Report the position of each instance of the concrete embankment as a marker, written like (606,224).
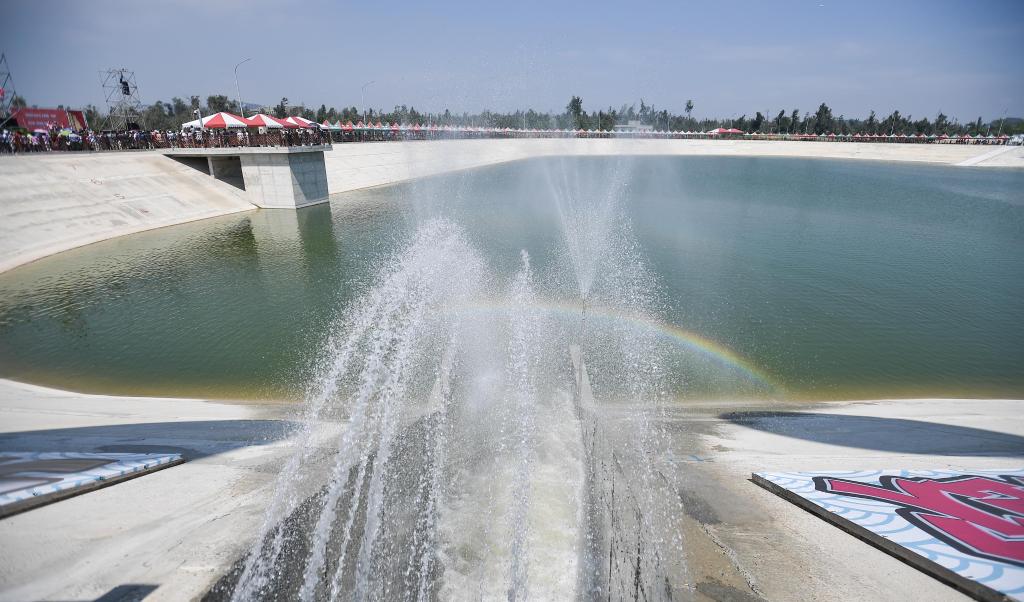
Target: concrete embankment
(55,202)
(51,203)
(355,166)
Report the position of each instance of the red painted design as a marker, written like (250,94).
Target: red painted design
(980,516)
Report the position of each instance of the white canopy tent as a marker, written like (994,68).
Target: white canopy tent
(218,121)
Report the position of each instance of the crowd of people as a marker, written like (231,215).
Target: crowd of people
(64,139)
(55,138)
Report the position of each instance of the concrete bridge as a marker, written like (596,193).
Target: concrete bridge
(275,177)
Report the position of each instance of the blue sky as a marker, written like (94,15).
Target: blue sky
(730,57)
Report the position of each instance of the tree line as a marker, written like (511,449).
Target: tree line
(171,114)
(822,121)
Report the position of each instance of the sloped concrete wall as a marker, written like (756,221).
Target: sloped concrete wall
(367,164)
(51,203)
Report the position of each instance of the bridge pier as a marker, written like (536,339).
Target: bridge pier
(279,177)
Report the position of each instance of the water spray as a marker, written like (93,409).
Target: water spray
(583,318)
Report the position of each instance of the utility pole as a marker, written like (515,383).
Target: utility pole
(238,94)
(362,97)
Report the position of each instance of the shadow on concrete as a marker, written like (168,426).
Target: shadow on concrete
(200,164)
(130,592)
(894,435)
(193,439)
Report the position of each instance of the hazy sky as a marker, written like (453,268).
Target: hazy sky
(730,57)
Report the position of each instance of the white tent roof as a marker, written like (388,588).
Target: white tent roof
(218,121)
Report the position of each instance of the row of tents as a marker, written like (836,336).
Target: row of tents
(227,121)
(230,121)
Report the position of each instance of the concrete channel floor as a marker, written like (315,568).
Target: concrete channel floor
(177,529)
(767,548)
(174,532)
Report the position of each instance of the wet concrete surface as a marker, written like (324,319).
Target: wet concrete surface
(181,530)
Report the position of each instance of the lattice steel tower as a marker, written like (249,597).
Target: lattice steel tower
(7,92)
(124,109)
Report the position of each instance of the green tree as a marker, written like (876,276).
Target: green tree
(281,109)
(781,121)
(757,122)
(179,109)
(575,110)
(794,121)
(644,111)
(156,116)
(892,122)
(823,122)
(923,126)
(18,102)
(93,116)
(871,124)
(219,102)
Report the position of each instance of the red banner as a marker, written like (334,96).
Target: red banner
(41,118)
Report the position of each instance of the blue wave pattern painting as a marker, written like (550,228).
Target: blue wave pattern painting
(970,522)
(28,475)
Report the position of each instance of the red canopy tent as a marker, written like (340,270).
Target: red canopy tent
(301,122)
(271,123)
(219,121)
(725,131)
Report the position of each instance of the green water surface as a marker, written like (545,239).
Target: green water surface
(832,279)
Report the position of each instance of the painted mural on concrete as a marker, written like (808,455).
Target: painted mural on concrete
(29,479)
(964,527)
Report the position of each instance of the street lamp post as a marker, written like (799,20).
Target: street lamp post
(362,97)
(238,93)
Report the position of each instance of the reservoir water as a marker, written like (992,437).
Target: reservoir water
(768,278)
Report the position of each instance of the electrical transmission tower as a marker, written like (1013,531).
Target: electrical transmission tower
(124,109)
(7,92)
